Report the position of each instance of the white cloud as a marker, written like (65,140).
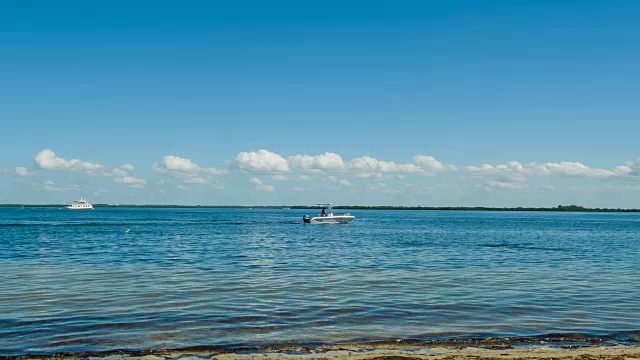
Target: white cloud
(183,165)
(430,164)
(260,186)
(576,169)
(47,159)
(363,167)
(45,186)
(504,185)
(513,175)
(369,165)
(267,188)
(512,167)
(512,172)
(255,181)
(193,179)
(516,172)
(22,171)
(367,175)
(262,161)
(131,181)
(186,170)
(325,162)
(176,163)
(330,167)
(297,188)
(181,187)
(510,176)
(366,166)
(280,177)
(116,173)
(339,183)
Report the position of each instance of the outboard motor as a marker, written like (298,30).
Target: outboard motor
(306,219)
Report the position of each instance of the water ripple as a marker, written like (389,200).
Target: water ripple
(220,277)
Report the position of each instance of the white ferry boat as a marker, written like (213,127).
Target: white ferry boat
(81,204)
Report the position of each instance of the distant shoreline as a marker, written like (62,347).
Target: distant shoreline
(560,208)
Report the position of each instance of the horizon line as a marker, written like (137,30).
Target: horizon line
(559,208)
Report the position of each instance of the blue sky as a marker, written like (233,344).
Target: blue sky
(435,103)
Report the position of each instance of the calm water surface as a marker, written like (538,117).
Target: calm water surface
(75,281)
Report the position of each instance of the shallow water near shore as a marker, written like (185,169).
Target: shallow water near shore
(76,281)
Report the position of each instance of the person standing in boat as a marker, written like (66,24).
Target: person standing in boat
(324,212)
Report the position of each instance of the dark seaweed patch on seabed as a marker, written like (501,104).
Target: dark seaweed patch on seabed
(565,341)
(522,246)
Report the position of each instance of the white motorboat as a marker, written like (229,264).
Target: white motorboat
(81,204)
(328,217)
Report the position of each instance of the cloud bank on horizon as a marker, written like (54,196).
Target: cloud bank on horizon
(266,172)
(48,160)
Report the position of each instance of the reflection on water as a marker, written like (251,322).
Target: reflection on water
(189,277)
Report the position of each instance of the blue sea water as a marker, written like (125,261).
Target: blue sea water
(76,281)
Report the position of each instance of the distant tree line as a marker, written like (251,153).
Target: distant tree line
(570,208)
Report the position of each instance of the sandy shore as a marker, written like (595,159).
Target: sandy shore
(386,352)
